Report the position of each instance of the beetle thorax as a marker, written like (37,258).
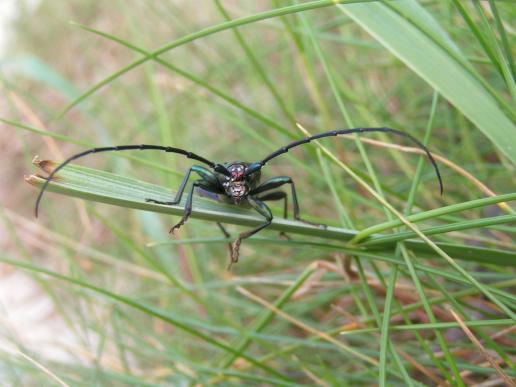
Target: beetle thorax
(236,185)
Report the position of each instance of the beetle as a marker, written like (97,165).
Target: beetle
(239,182)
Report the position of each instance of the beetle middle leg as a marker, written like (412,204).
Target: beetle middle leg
(278,195)
(276,182)
(265,211)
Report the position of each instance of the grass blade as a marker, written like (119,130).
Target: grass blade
(150,310)
(421,53)
(203,33)
(106,187)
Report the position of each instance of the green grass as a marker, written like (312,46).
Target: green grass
(367,301)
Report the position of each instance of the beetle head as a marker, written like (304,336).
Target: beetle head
(236,184)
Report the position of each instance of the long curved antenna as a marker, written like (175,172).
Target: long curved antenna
(256,166)
(189,155)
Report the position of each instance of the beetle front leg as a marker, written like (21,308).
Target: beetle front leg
(179,193)
(188,208)
(207,176)
(208,181)
(264,210)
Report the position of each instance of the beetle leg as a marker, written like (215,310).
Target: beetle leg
(276,182)
(227,235)
(278,195)
(265,211)
(179,193)
(188,208)
(208,181)
(207,175)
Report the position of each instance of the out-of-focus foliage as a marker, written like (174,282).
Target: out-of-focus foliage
(97,294)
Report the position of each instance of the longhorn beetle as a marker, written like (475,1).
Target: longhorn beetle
(237,181)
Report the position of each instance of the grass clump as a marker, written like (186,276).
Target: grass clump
(406,287)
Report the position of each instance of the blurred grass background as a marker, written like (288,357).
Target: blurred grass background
(92,296)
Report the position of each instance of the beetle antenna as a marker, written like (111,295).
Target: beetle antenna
(168,149)
(286,148)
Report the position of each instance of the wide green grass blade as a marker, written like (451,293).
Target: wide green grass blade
(106,187)
(460,251)
(408,40)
